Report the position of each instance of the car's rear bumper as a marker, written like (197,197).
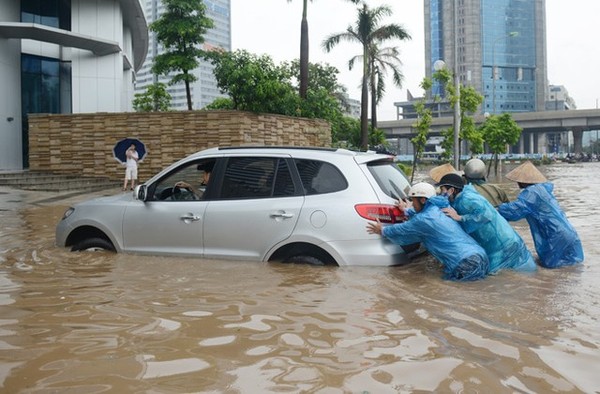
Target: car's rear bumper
(367,252)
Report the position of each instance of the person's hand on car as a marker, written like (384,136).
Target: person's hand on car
(374,228)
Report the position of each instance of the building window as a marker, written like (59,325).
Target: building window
(45,85)
(53,13)
(45,88)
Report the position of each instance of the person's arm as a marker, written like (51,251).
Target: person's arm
(406,207)
(474,215)
(187,186)
(405,233)
(515,210)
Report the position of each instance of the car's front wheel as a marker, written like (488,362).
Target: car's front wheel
(304,259)
(93,244)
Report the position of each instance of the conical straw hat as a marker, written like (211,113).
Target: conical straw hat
(526,173)
(436,173)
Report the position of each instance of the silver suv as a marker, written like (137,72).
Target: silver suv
(301,205)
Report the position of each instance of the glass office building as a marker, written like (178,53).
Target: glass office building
(205,89)
(496,46)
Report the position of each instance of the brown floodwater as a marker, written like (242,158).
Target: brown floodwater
(123,323)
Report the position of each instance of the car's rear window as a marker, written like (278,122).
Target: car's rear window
(390,178)
(319,177)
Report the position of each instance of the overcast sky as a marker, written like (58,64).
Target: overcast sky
(273,27)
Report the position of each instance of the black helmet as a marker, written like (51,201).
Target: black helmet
(452,180)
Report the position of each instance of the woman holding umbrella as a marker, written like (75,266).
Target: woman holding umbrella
(131,167)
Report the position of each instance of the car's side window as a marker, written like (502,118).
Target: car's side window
(283,183)
(256,177)
(171,187)
(319,177)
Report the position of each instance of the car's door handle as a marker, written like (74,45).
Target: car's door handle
(282,214)
(190,217)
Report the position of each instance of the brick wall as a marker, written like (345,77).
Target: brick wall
(82,143)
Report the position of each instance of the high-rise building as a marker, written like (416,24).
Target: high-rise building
(205,89)
(496,46)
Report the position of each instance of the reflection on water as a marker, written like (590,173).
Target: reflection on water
(101,322)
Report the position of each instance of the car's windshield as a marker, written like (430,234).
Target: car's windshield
(390,178)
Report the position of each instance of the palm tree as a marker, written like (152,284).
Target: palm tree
(304,48)
(369,34)
(380,60)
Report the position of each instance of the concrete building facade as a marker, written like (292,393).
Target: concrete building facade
(65,56)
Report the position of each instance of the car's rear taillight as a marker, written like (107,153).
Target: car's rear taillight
(385,213)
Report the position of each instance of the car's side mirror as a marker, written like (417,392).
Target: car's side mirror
(140,192)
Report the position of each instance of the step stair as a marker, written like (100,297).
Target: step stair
(44,181)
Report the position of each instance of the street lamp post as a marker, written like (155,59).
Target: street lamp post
(457,87)
(509,35)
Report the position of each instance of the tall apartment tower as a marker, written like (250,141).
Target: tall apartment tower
(205,89)
(496,46)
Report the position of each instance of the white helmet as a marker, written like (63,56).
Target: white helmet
(421,189)
(475,169)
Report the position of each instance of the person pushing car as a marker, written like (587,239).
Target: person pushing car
(462,258)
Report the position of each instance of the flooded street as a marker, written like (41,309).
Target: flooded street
(123,323)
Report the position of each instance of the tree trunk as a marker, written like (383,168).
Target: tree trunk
(364,103)
(373,99)
(304,53)
(414,166)
(188,94)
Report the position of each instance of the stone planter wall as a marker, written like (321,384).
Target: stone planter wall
(82,143)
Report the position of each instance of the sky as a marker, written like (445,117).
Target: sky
(272,27)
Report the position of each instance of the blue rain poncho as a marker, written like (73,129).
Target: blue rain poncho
(462,258)
(556,241)
(504,247)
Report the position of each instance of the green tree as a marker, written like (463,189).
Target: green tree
(322,76)
(382,60)
(220,103)
(346,133)
(470,100)
(500,131)
(254,83)
(368,33)
(304,50)
(180,29)
(155,98)
(326,97)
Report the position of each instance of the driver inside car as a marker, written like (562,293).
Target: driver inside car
(206,169)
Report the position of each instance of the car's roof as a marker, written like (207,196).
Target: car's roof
(315,152)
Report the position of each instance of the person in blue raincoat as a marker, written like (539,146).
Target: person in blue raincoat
(476,215)
(556,241)
(462,258)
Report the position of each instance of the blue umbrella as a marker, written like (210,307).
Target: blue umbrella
(120,149)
